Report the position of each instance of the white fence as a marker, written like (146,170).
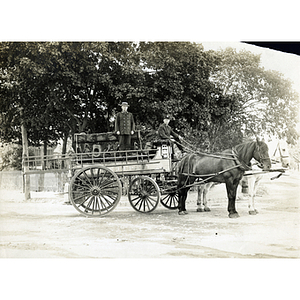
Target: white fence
(42,182)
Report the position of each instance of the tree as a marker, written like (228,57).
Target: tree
(10,157)
(263,100)
(52,90)
(19,81)
(176,82)
(25,92)
(92,79)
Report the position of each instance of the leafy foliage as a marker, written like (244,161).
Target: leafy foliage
(58,88)
(262,99)
(10,157)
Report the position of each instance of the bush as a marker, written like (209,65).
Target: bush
(10,157)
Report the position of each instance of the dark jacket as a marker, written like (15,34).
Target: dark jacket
(165,132)
(124,123)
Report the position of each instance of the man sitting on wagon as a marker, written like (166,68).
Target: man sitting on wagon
(165,132)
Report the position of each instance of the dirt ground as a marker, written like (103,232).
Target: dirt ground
(46,227)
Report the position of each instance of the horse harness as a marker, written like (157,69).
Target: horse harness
(232,156)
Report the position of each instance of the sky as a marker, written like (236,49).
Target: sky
(216,24)
(286,63)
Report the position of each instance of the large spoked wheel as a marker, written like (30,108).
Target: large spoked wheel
(144,194)
(95,191)
(170,200)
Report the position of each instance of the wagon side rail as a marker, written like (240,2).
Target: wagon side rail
(63,162)
(114,158)
(47,163)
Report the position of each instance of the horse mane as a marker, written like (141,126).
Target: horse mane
(244,145)
(241,151)
(240,148)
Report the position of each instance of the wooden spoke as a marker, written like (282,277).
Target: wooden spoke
(170,200)
(144,194)
(95,191)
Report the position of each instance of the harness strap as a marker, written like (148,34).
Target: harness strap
(240,162)
(231,156)
(210,176)
(216,155)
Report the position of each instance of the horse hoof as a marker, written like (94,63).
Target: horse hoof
(200,210)
(253,212)
(234,215)
(206,209)
(181,213)
(185,212)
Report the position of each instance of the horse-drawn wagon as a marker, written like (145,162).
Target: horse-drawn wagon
(99,170)
(99,173)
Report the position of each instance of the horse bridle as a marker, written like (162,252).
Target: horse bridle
(261,158)
(248,167)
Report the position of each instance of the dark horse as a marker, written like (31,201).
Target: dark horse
(226,167)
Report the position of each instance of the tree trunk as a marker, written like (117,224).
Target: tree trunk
(41,186)
(64,148)
(65,141)
(25,167)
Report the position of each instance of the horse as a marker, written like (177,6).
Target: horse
(226,167)
(280,155)
(202,191)
(252,182)
(249,181)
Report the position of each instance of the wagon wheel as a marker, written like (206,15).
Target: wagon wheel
(144,194)
(95,191)
(170,200)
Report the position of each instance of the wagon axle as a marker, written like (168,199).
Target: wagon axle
(95,191)
(143,194)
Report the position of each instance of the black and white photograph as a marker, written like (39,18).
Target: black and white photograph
(176,155)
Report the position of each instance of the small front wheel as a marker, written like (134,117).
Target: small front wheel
(170,200)
(144,194)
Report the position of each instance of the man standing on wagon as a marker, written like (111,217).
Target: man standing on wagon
(125,127)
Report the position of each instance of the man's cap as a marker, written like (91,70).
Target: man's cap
(124,104)
(169,117)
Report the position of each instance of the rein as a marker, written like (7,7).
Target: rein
(231,156)
(203,180)
(238,161)
(205,153)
